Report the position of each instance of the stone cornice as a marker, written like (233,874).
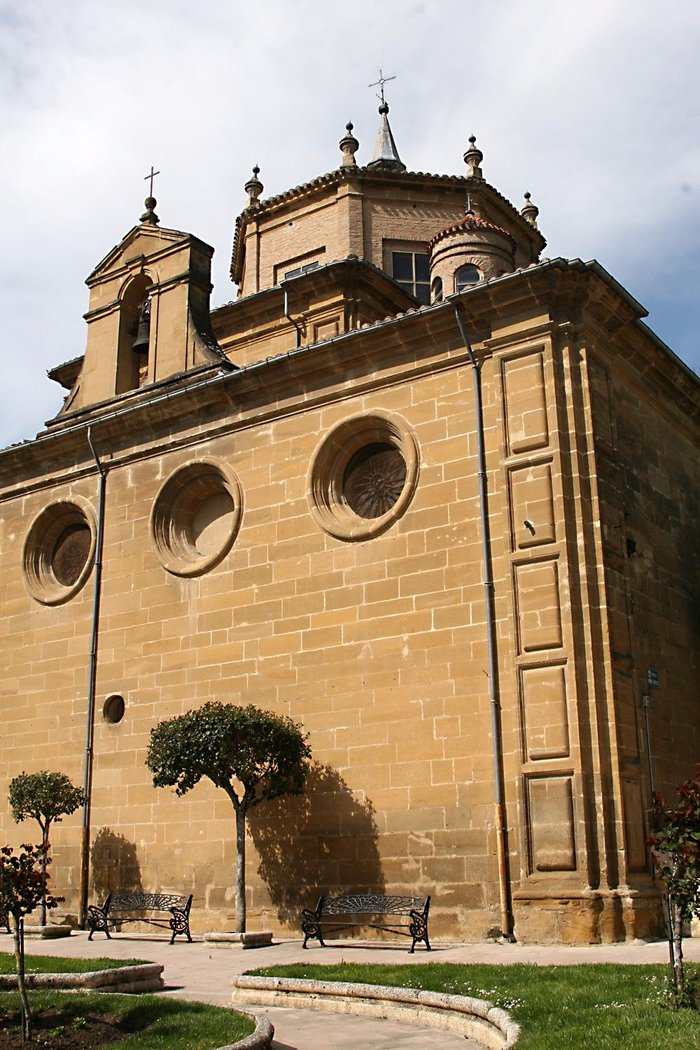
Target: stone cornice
(265,208)
(397,349)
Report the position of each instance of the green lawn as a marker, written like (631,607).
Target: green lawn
(605,1007)
(58,964)
(149,1022)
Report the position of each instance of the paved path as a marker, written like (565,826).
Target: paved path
(200,971)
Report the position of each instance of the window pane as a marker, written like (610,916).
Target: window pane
(422,268)
(374,479)
(402,266)
(422,292)
(466,276)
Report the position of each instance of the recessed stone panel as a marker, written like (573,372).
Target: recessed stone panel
(635,835)
(545,717)
(627,717)
(525,403)
(551,823)
(538,604)
(532,506)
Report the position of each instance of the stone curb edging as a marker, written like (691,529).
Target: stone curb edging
(474,1018)
(143,978)
(260,1039)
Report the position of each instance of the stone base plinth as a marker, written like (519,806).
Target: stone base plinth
(259,939)
(47,932)
(586,918)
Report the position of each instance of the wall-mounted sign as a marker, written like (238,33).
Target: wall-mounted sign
(652,678)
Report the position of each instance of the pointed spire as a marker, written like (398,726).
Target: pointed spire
(349,147)
(530,211)
(386,154)
(473,158)
(254,187)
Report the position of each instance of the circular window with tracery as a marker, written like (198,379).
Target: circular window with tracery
(195,517)
(363,476)
(59,551)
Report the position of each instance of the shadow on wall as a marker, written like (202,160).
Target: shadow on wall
(324,841)
(115,865)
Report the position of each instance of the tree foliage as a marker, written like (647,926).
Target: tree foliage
(23,886)
(252,755)
(45,797)
(265,754)
(676,851)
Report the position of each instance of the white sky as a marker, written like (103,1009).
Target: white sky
(593,107)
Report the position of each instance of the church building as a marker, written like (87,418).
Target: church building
(423,489)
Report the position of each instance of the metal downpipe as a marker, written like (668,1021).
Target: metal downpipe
(92,668)
(290,318)
(496,735)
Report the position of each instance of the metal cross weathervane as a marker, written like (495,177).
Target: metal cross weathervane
(380,84)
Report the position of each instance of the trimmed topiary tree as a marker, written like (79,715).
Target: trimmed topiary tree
(46,797)
(676,851)
(250,754)
(23,882)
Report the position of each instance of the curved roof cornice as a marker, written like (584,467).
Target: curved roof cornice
(364,173)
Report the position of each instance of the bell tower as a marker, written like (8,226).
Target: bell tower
(149,315)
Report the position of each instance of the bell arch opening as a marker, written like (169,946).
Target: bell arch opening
(133,357)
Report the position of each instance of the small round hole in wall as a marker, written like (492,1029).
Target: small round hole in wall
(113,710)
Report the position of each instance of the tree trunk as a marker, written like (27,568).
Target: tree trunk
(45,844)
(240,869)
(675,943)
(18,934)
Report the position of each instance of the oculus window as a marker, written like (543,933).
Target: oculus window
(363,476)
(59,551)
(196,517)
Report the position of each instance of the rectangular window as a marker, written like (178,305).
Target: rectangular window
(299,264)
(298,270)
(411,271)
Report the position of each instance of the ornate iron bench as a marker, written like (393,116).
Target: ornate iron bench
(120,907)
(375,910)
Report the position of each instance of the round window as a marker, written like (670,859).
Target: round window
(196,517)
(59,551)
(374,479)
(362,476)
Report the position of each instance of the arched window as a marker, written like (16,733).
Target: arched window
(466,276)
(436,290)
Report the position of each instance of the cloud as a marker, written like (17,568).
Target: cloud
(590,107)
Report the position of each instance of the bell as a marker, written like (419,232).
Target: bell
(140,343)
